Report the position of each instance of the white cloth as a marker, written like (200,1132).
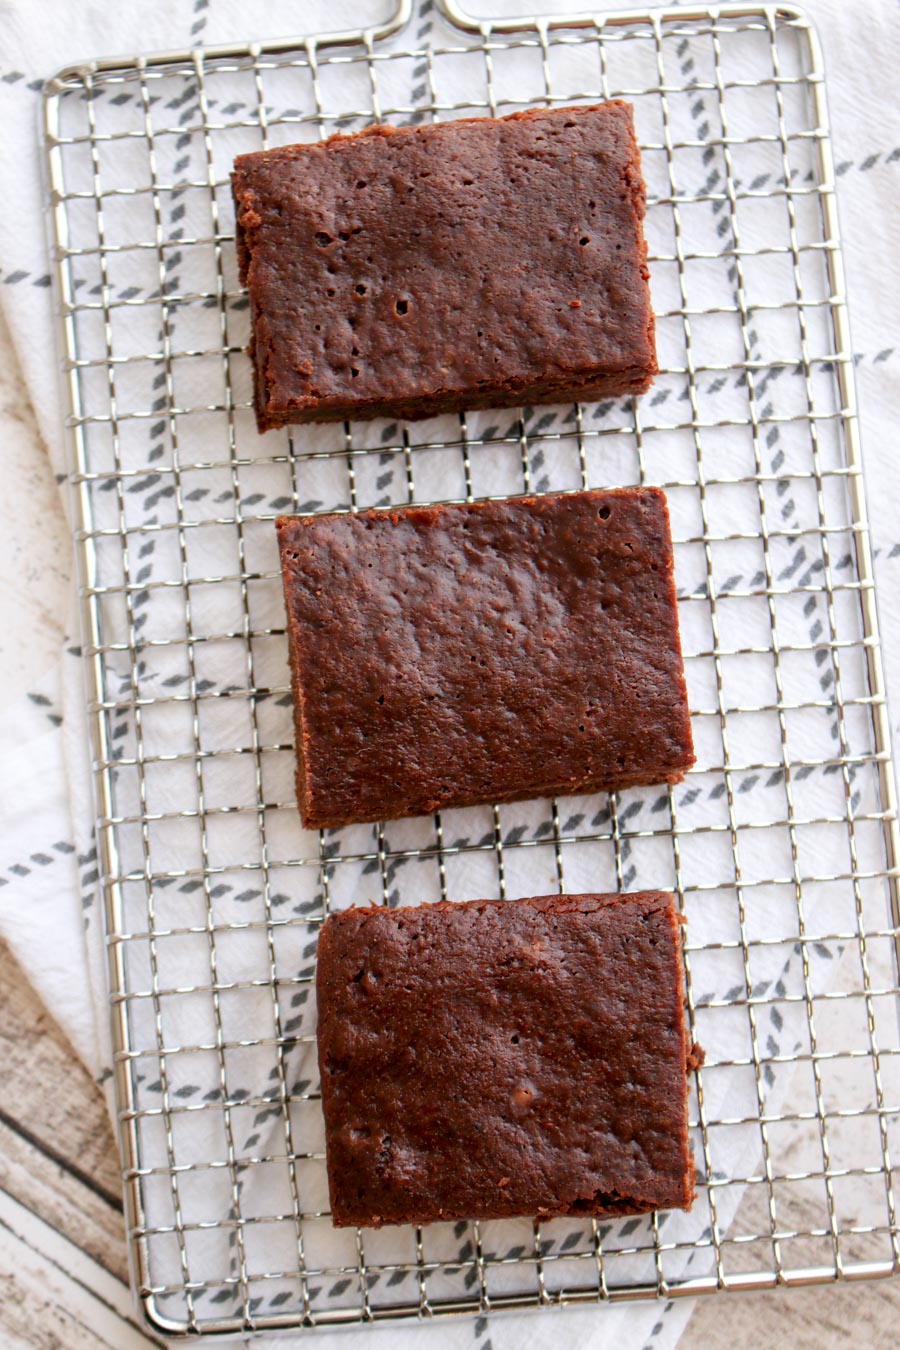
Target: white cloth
(49,910)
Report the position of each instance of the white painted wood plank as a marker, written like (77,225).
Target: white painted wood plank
(64,1286)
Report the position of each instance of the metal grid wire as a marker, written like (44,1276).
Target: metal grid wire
(780,844)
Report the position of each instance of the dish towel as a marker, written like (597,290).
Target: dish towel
(49,908)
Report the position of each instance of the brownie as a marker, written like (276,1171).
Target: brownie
(468,264)
(490,651)
(496,1058)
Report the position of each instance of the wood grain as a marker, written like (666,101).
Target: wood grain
(53,1294)
(62,1242)
(57,1152)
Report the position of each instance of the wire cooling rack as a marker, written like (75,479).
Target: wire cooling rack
(780,844)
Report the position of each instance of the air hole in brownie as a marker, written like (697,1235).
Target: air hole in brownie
(354,371)
(514,1040)
(343,235)
(354,351)
(330,292)
(381,698)
(585,239)
(361,183)
(603,513)
(323,239)
(402,306)
(358,976)
(360,288)
(317,327)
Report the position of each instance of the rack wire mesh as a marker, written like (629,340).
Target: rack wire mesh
(780,844)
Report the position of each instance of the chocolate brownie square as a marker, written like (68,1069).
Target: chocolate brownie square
(483,652)
(468,264)
(498,1058)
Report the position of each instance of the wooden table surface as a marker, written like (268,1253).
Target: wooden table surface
(62,1244)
